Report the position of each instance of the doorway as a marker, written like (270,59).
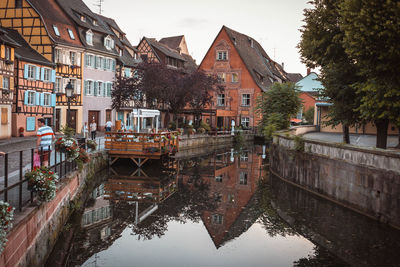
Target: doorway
(94,114)
(72,119)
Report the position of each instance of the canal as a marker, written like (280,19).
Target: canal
(220,209)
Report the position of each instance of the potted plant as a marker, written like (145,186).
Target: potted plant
(6,216)
(43,182)
(21,131)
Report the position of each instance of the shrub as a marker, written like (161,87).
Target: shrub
(298,143)
(205,126)
(43,182)
(6,216)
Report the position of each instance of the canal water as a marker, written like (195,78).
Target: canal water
(220,209)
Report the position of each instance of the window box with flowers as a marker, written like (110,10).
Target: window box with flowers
(6,216)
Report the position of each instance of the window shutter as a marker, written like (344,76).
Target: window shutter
(96,85)
(11,85)
(41,99)
(78,59)
(113,65)
(85,87)
(105,89)
(26,96)
(104,64)
(26,71)
(109,89)
(37,73)
(42,74)
(78,87)
(97,62)
(37,99)
(53,100)
(86,60)
(53,76)
(93,62)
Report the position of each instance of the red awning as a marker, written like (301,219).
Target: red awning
(295,120)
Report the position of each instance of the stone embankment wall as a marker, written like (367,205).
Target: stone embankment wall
(204,140)
(36,230)
(363,179)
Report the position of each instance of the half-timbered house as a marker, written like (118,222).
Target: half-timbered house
(99,61)
(7,46)
(48,30)
(34,95)
(246,71)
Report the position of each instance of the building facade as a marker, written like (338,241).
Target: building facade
(246,71)
(48,30)
(7,56)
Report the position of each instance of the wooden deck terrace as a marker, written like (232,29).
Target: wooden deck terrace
(140,147)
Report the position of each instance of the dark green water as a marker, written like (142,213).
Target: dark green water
(222,209)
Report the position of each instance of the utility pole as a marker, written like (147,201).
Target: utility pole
(99,5)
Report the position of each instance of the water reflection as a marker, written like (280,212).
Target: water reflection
(221,209)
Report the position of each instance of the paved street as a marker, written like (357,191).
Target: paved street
(355,139)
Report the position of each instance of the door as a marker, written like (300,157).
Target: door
(108,115)
(57,122)
(72,119)
(220,122)
(94,114)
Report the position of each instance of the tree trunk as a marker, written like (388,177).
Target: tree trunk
(381,133)
(346,134)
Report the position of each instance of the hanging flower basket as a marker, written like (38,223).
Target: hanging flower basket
(69,146)
(82,158)
(6,216)
(91,144)
(43,182)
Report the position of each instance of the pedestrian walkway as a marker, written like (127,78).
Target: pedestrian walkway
(355,139)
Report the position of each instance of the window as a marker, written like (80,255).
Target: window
(8,53)
(46,75)
(31,98)
(246,100)
(235,77)
(222,76)
(31,72)
(72,58)
(222,55)
(73,83)
(98,62)
(59,85)
(218,179)
(89,60)
(83,18)
(89,38)
(100,88)
(108,64)
(46,99)
(18,3)
(221,100)
(245,122)
(108,42)
(56,31)
(6,83)
(217,218)
(89,87)
(95,22)
(243,178)
(244,156)
(71,34)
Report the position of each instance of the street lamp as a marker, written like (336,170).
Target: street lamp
(69,91)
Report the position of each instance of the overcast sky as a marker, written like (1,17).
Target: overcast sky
(274,24)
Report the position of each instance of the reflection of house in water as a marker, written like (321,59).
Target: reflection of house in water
(233,182)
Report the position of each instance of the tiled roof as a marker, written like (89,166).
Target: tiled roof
(52,14)
(165,49)
(24,51)
(294,77)
(190,64)
(262,68)
(108,23)
(5,38)
(172,42)
(127,60)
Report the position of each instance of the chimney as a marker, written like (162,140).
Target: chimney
(308,71)
(283,65)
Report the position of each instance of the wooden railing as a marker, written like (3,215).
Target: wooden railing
(131,143)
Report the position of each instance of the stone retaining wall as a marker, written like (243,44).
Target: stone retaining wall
(37,228)
(366,180)
(204,140)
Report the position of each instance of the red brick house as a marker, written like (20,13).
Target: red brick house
(246,70)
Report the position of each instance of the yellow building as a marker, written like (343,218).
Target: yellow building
(48,30)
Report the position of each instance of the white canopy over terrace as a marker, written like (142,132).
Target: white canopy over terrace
(142,114)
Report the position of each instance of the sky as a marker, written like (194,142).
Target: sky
(274,24)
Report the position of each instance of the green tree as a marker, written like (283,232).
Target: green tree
(371,39)
(309,115)
(276,106)
(321,46)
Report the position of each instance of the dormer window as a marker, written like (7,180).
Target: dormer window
(83,18)
(108,42)
(89,37)
(95,22)
(222,55)
(56,31)
(71,34)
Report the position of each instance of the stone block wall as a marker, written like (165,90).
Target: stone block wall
(37,228)
(365,180)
